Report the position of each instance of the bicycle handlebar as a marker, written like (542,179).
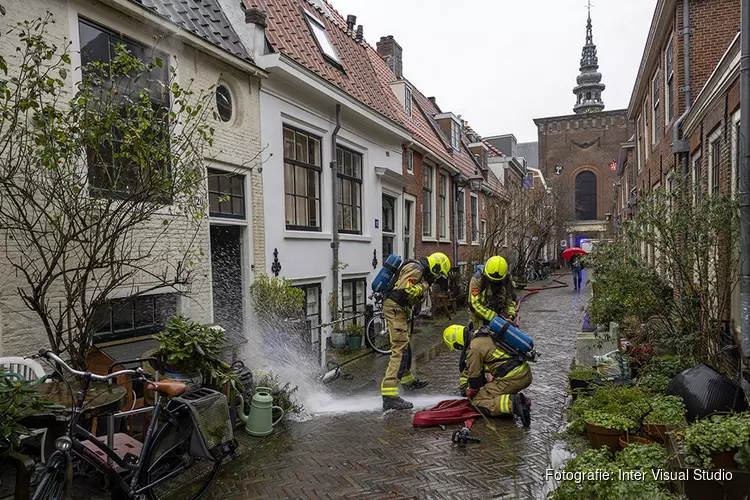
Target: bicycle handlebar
(46,354)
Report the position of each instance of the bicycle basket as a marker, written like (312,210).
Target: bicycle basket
(213,436)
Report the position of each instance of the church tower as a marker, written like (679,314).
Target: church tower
(590,87)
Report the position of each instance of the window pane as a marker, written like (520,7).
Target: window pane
(339,159)
(122,315)
(312,183)
(289,144)
(288,178)
(314,206)
(213,202)
(340,193)
(237,183)
(347,192)
(144,311)
(347,217)
(301,148)
(289,209)
(357,166)
(302,212)
(213,181)
(314,152)
(224,183)
(300,186)
(100,319)
(94,44)
(238,206)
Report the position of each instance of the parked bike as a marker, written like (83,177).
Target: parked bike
(376,330)
(183,449)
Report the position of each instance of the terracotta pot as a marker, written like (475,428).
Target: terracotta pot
(601,436)
(656,431)
(724,460)
(626,440)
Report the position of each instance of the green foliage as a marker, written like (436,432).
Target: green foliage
(583,373)
(189,346)
(659,370)
(636,457)
(284,395)
(275,300)
(610,421)
(716,434)
(354,329)
(16,396)
(629,403)
(666,410)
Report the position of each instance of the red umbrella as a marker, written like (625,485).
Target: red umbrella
(570,252)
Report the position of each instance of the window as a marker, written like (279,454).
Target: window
(639,144)
(586,196)
(312,309)
(714,164)
(409,161)
(354,299)
(224,103)
(226,194)
(456,135)
(697,178)
(427,201)
(389,225)
(461,214)
(407,100)
(350,190)
(655,100)
(484,158)
(736,156)
(119,319)
(111,172)
(443,223)
(669,81)
(321,37)
(302,167)
(484,231)
(474,219)
(645,130)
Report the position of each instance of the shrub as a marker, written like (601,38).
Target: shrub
(716,434)
(275,299)
(627,402)
(666,410)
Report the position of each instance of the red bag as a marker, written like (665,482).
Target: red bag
(451,411)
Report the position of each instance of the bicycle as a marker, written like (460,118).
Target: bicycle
(169,462)
(376,330)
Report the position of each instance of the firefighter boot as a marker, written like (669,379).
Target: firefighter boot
(417,384)
(521,408)
(396,403)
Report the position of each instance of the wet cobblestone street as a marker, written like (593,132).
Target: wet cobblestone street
(372,455)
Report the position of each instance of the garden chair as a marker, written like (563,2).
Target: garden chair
(27,369)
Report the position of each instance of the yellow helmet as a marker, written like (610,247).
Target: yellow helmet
(496,268)
(439,264)
(453,336)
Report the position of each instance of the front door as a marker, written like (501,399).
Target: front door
(226,267)
(408,229)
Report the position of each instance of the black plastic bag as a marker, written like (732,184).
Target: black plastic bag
(705,392)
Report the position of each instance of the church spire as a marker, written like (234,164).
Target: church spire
(590,87)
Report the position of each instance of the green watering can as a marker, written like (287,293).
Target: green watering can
(259,420)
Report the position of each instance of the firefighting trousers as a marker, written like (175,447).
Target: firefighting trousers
(399,364)
(495,395)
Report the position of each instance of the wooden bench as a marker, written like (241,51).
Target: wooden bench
(443,301)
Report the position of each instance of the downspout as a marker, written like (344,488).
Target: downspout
(455,178)
(744,193)
(682,146)
(335,217)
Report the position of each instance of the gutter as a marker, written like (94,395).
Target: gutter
(682,145)
(335,216)
(744,191)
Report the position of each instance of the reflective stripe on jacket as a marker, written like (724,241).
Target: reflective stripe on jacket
(487,302)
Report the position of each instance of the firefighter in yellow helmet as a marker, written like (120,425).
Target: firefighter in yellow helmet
(491,293)
(491,377)
(414,278)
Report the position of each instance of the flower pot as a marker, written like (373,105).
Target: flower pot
(601,436)
(724,460)
(579,383)
(626,440)
(191,379)
(338,340)
(656,431)
(355,342)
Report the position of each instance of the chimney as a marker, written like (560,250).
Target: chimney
(256,22)
(391,51)
(351,20)
(360,33)
(432,100)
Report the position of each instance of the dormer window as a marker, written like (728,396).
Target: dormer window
(456,135)
(407,100)
(321,37)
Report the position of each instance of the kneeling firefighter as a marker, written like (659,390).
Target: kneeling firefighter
(414,278)
(492,376)
(492,293)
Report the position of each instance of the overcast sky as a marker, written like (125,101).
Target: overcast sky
(502,63)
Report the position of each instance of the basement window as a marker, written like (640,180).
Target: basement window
(321,37)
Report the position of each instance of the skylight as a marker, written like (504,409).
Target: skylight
(322,38)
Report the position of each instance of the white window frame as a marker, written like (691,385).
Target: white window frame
(645,130)
(474,219)
(407,100)
(714,138)
(461,220)
(655,104)
(433,205)
(455,135)
(443,207)
(696,158)
(668,78)
(483,233)
(735,160)
(321,38)
(639,144)
(410,161)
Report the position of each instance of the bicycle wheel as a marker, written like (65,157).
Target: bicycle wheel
(376,334)
(52,484)
(169,451)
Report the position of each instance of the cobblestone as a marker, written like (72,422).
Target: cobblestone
(372,455)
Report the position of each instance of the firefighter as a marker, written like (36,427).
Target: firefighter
(414,278)
(492,292)
(491,377)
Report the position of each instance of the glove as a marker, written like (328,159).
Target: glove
(470,393)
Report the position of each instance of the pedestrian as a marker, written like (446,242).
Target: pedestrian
(492,293)
(577,272)
(414,278)
(492,377)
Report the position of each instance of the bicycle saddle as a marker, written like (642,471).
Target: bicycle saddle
(169,387)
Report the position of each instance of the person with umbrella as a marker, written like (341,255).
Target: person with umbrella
(572,255)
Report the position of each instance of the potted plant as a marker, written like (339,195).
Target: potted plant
(355,332)
(188,349)
(713,442)
(339,337)
(605,429)
(16,396)
(666,412)
(629,439)
(279,306)
(580,377)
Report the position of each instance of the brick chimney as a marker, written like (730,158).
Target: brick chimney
(256,21)
(391,51)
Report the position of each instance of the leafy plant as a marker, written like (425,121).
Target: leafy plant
(640,354)
(284,395)
(628,402)
(610,421)
(355,330)
(16,396)
(583,373)
(657,373)
(666,410)
(716,434)
(275,301)
(189,346)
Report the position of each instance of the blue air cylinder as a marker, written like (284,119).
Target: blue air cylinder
(386,277)
(511,335)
